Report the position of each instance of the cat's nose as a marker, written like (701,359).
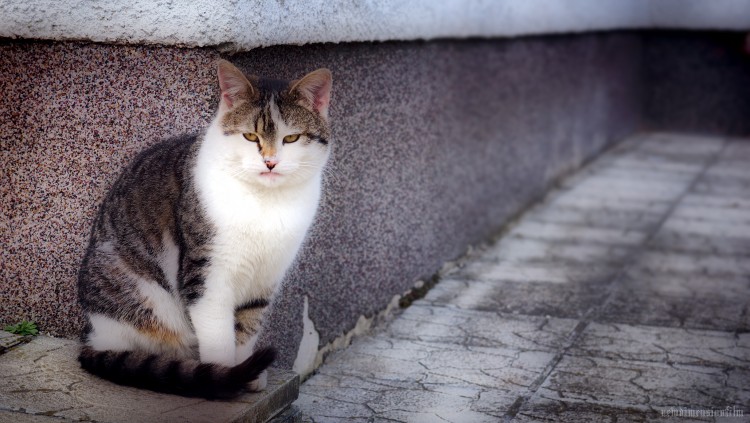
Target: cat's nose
(271,163)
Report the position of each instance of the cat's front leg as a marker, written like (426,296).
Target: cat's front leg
(248,321)
(212,316)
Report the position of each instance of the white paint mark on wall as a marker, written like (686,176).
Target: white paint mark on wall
(304,364)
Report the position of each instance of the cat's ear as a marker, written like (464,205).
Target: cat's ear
(315,91)
(235,87)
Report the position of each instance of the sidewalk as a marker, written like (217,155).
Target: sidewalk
(623,296)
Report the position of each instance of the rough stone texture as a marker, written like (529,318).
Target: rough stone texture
(42,379)
(436,144)
(581,310)
(247,24)
(9,340)
(72,115)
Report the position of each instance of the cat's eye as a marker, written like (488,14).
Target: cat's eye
(291,138)
(251,137)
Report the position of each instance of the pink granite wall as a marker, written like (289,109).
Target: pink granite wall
(71,116)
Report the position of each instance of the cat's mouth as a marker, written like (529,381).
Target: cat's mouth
(270,174)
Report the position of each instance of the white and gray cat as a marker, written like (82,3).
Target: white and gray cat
(194,237)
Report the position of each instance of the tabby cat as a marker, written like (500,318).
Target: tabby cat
(194,237)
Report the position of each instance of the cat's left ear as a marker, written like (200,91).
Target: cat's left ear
(315,90)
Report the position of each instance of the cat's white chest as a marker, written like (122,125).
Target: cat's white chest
(257,234)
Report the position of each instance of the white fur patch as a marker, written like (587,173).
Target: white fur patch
(109,334)
(168,310)
(260,226)
(169,260)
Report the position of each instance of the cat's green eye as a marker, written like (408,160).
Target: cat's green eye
(251,137)
(291,138)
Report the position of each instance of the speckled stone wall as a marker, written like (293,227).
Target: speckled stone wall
(698,81)
(436,145)
(71,116)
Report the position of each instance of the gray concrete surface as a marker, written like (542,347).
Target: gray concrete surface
(42,382)
(623,296)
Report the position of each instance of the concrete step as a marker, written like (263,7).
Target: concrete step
(42,381)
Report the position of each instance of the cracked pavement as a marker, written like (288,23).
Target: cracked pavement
(42,382)
(623,296)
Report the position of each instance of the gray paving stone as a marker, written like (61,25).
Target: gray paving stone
(21,417)
(43,378)
(673,262)
(659,164)
(681,300)
(584,202)
(617,383)
(545,410)
(737,150)
(699,213)
(436,363)
(576,233)
(687,240)
(723,185)
(637,373)
(563,300)
(563,273)
(526,250)
(673,346)
(9,340)
(635,188)
(599,218)
(713,201)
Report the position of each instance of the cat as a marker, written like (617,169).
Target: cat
(192,240)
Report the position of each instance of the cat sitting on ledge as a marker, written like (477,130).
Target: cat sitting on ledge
(194,237)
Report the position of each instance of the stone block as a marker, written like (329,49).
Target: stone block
(43,377)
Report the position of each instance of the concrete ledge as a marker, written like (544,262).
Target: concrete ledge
(247,24)
(42,381)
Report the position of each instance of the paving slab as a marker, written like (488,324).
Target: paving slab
(433,363)
(42,380)
(9,340)
(623,296)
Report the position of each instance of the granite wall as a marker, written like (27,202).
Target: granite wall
(698,81)
(436,145)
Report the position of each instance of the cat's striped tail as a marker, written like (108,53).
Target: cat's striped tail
(182,377)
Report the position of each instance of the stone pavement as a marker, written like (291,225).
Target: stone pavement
(42,383)
(623,296)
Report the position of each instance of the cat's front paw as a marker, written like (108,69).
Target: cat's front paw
(259,383)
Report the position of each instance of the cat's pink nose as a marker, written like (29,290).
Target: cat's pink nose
(271,163)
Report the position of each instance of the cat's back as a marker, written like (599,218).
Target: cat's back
(140,206)
(167,162)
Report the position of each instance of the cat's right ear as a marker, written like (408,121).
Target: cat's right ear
(235,87)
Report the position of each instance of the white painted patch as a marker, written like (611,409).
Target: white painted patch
(304,364)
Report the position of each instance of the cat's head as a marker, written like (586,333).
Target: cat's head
(275,133)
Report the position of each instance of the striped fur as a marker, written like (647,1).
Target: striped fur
(183,377)
(194,237)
